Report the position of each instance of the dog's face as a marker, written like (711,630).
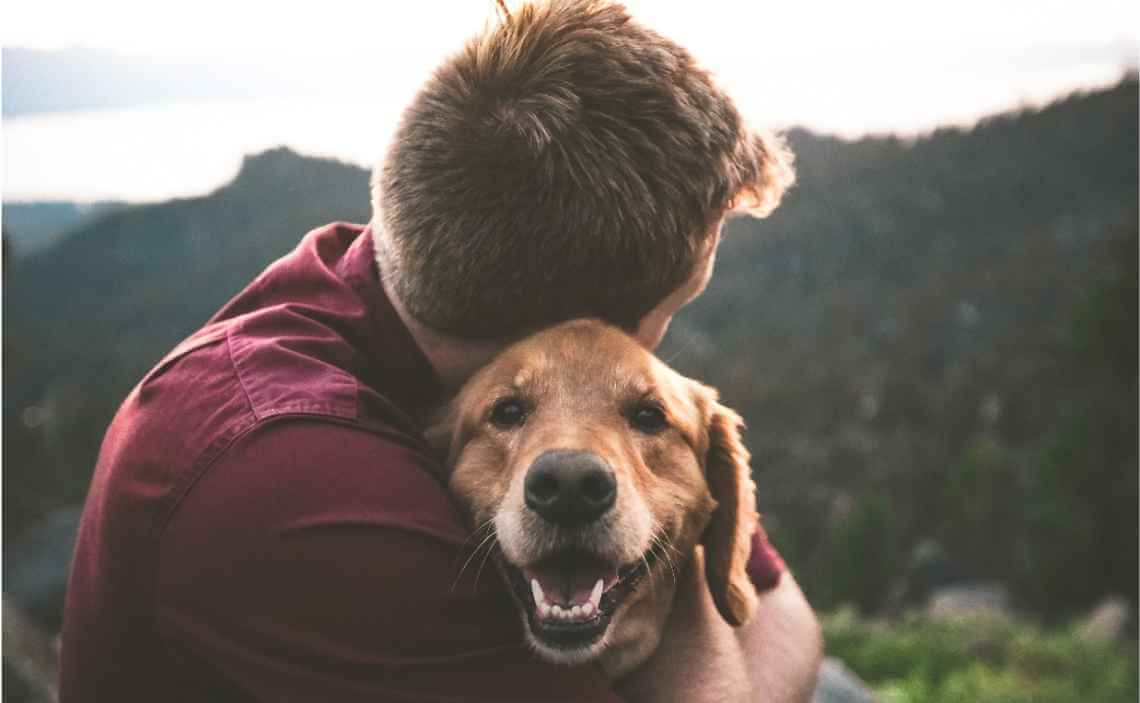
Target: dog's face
(597,469)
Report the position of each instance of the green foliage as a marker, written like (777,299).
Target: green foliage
(976,494)
(861,553)
(981,660)
(1073,538)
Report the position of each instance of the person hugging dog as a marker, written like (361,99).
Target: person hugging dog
(267,521)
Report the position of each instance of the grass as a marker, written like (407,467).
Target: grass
(982,660)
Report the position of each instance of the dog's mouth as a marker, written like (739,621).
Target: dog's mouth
(570,596)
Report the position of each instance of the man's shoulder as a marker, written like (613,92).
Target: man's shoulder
(227,385)
(310,338)
(303,473)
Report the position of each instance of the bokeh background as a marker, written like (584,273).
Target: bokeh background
(933,340)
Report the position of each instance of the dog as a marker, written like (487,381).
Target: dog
(595,472)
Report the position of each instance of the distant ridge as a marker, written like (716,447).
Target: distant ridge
(34,226)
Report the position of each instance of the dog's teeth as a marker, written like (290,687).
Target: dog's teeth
(588,609)
(576,611)
(596,594)
(556,610)
(544,610)
(536,590)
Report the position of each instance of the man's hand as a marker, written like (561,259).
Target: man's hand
(773,658)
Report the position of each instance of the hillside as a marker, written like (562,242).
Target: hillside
(902,336)
(930,339)
(35,226)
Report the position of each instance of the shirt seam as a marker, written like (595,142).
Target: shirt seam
(237,373)
(317,412)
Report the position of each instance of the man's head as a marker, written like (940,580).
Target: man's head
(566,163)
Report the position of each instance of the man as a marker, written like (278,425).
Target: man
(266,523)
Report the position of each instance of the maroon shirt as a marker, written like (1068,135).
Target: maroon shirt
(265,522)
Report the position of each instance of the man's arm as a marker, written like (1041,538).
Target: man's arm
(319,562)
(774,657)
(783,644)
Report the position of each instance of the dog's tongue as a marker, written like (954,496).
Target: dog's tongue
(569,578)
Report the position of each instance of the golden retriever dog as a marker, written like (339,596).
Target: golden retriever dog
(596,472)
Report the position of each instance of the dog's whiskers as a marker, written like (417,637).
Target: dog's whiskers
(659,541)
(489,538)
(490,551)
(487,524)
(649,571)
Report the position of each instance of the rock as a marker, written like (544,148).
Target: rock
(838,684)
(928,569)
(1107,621)
(970,600)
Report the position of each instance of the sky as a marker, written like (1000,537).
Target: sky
(840,67)
(707,27)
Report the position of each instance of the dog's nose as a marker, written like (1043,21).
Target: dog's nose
(570,488)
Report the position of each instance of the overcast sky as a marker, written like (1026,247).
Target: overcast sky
(756,47)
(849,68)
(709,27)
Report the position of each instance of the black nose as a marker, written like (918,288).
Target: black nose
(569,488)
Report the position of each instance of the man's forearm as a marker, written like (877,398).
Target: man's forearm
(774,657)
(782,645)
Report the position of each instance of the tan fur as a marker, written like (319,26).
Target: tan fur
(727,539)
(687,485)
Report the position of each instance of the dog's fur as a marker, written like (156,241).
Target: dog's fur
(681,488)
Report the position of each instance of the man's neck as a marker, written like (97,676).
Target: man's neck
(454,359)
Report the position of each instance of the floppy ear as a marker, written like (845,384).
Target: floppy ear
(728,537)
(440,434)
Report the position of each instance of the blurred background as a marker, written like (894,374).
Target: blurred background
(933,340)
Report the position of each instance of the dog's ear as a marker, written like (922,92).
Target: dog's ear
(728,537)
(440,433)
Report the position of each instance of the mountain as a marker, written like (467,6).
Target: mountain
(32,226)
(931,339)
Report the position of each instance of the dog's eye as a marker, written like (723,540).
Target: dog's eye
(507,413)
(648,418)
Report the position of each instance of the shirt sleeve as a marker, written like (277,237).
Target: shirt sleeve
(764,563)
(320,562)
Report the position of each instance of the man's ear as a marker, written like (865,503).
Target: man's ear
(728,538)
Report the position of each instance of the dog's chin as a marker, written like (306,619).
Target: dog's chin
(568,620)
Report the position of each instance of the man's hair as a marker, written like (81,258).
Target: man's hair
(567,162)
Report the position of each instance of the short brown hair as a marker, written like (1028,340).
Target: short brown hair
(567,162)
